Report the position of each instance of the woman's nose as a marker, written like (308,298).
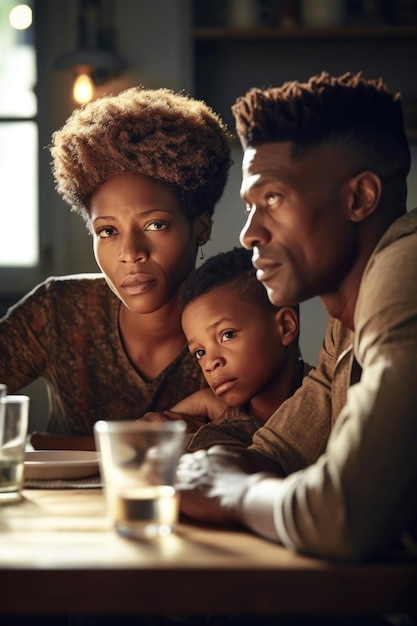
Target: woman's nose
(133,249)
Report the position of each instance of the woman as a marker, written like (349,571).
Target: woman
(144,169)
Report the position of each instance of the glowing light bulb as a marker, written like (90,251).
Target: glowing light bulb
(83,89)
(20,17)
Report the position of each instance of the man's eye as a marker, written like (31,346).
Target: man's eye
(198,354)
(156,225)
(272,199)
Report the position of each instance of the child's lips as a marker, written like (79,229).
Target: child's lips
(222,384)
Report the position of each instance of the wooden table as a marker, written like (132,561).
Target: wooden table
(58,556)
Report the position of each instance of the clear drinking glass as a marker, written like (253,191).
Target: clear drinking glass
(14,417)
(138,462)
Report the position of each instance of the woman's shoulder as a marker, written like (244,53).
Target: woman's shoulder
(91,286)
(61,295)
(83,292)
(77,282)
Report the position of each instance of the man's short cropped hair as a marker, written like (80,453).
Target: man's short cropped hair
(359,115)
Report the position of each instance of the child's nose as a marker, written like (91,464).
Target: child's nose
(213,361)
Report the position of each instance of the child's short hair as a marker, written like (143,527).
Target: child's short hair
(356,114)
(234,269)
(170,137)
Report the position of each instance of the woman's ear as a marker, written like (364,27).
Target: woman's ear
(202,227)
(366,194)
(287,319)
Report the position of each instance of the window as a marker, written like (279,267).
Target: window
(19,227)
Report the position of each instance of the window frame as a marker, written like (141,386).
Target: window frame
(17,280)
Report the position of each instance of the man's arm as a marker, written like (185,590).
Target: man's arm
(297,433)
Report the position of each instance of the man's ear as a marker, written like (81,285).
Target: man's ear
(287,320)
(365,195)
(202,227)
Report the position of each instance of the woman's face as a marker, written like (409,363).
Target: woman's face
(143,242)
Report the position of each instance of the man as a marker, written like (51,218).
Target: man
(324,180)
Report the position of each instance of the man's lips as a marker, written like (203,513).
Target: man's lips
(222,384)
(137,283)
(265,270)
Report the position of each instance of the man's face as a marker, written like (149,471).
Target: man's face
(298,225)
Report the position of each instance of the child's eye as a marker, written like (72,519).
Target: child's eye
(198,354)
(227,335)
(156,225)
(105,232)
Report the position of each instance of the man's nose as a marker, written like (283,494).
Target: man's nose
(253,233)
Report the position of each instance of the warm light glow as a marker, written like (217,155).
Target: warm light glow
(83,90)
(20,17)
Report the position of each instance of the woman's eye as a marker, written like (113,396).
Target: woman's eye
(156,225)
(105,232)
(198,354)
(227,335)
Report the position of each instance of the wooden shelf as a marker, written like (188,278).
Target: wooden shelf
(298,33)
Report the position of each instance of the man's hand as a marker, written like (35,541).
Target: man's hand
(212,483)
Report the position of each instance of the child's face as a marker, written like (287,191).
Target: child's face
(143,242)
(237,343)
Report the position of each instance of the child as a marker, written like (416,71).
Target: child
(144,169)
(246,347)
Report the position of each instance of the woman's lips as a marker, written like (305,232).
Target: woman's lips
(137,283)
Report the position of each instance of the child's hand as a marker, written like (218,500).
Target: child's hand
(204,403)
(193,422)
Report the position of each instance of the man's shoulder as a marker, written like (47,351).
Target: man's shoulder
(400,231)
(394,258)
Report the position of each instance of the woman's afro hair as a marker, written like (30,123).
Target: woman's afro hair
(169,137)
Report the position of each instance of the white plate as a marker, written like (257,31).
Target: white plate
(60,464)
